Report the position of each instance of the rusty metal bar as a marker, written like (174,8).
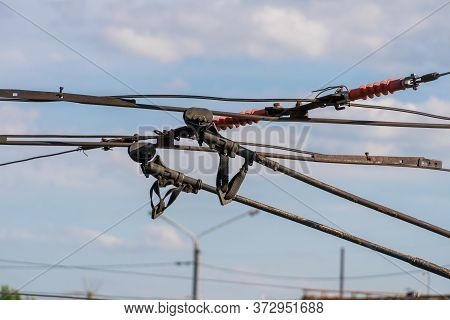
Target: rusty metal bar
(409,162)
(157,170)
(44,96)
(223,144)
(351,197)
(419,162)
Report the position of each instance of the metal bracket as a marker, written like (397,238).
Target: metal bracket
(429,163)
(165,139)
(228,147)
(167,176)
(412,162)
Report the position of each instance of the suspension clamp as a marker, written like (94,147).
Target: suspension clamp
(168,177)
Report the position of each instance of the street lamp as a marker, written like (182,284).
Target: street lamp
(196,245)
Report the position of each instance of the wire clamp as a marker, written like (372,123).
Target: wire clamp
(60,94)
(167,177)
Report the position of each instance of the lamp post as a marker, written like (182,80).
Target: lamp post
(341,274)
(196,244)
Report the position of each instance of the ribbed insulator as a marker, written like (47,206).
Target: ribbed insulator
(376,89)
(223,122)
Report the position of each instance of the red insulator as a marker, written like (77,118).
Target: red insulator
(230,122)
(377,89)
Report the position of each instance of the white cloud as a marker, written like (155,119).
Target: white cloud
(177,84)
(172,31)
(158,47)
(69,234)
(105,240)
(289,29)
(21,234)
(17,120)
(164,237)
(73,171)
(222,29)
(267,30)
(13,55)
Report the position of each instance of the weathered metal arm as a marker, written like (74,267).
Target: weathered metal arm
(158,170)
(117,141)
(231,148)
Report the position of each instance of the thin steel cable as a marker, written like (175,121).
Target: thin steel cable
(419,113)
(223,281)
(85,145)
(105,267)
(270,146)
(80,136)
(384,45)
(40,157)
(182,277)
(71,296)
(84,57)
(54,295)
(22,263)
(394,124)
(200,97)
(37,96)
(170,276)
(69,136)
(82,246)
(315,278)
(43,96)
(226,222)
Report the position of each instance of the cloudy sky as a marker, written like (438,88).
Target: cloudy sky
(49,208)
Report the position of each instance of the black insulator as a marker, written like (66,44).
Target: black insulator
(198,117)
(142,152)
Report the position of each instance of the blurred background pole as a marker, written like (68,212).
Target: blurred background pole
(196,247)
(227,222)
(341,274)
(196,244)
(428,281)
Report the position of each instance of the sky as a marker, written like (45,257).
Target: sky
(52,208)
